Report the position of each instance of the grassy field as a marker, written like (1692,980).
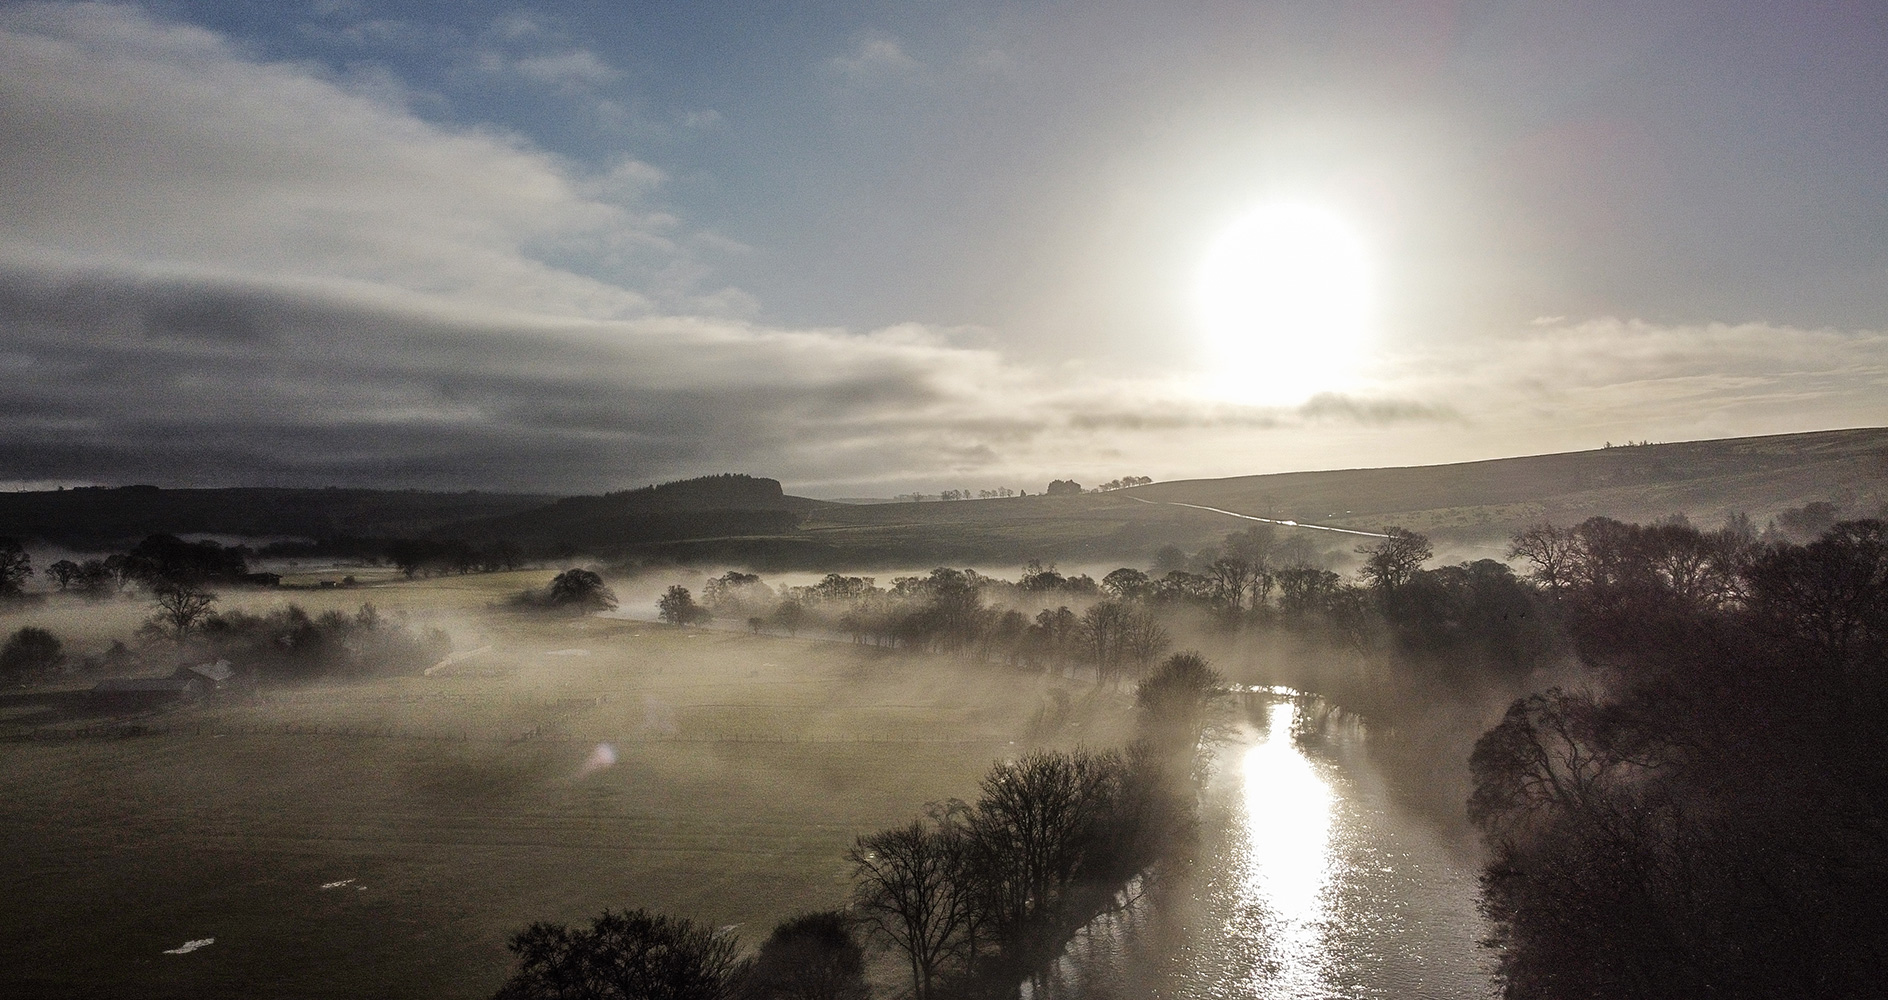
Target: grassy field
(455,808)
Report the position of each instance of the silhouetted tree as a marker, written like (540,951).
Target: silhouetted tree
(15,567)
(580,589)
(181,610)
(1713,820)
(62,572)
(813,956)
(94,578)
(906,891)
(1173,700)
(1392,562)
(29,651)
(1126,584)
(1552,551)
(632,955)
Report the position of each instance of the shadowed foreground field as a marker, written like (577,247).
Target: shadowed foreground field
(382,838)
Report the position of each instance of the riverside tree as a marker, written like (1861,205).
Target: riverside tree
(631,955)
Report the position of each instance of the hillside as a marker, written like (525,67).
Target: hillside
(1706,480)
(95,517)
(752,520)
(1471,503)
(708,507)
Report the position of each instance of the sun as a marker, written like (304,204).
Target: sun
(1284,299)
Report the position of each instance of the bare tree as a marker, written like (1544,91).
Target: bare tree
(1393,562)
(906,892)
(1103,631)
(181,610)
(1552,551)
(1144,640)
(633,955)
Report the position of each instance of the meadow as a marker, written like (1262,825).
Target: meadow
(383,837)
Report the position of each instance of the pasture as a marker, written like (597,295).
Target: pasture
(383,837)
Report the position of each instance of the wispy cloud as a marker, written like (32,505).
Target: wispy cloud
(873,56)
(576,69)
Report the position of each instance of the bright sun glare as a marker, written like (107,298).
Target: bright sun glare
(1284,298)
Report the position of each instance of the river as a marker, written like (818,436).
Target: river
(1309,881)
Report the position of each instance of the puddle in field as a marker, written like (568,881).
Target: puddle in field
(189,946)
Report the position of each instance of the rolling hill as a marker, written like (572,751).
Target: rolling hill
(752,520)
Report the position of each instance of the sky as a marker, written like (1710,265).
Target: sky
(876,248)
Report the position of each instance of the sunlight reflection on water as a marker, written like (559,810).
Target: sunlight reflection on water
(1288,861)
(1308,881)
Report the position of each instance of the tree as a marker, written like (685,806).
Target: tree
(1103,633)
(15,566)
(1552,551)
(1144,640)
(30,651)
(677,607)
(904,888)
(1304,589)
(1231,578)
(1393,562)
(1174,697)
(790,616)
(632,955)
(813,956)
(1126,584)
(1064,488)
(1040,826)
(63,572)
(181,610)
(580,588)
(94,578)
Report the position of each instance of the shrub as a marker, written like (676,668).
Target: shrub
(30,651)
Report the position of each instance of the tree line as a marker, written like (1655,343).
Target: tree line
(1710,816)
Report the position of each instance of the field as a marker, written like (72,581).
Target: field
(382,838)
(1471,507)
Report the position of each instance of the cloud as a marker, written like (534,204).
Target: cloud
(577,70)
(873,56)
(216,269)
(1335,406)
(145,142)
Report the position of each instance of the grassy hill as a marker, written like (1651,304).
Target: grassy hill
(1706,480)
(745,519)
(1466,503)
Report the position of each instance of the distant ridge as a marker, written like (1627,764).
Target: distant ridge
(91,517)
(729,504)
(742,519)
